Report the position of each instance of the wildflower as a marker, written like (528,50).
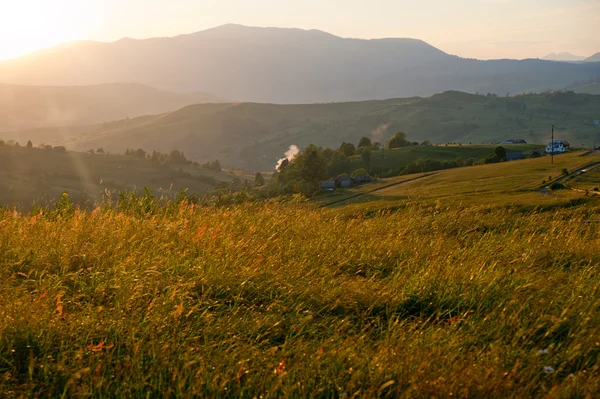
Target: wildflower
(543,352)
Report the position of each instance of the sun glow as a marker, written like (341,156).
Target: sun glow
(30,25)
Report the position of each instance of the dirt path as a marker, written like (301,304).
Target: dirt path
(375,190)
(546,189)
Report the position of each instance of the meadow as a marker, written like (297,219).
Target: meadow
(34,175)
(419,297)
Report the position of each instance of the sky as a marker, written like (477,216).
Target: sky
(484,29)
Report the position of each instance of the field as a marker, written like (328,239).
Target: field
(29,175)
(398,158)
(465,283)
(504,184)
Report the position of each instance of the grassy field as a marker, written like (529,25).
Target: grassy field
(590,180)
(398,158)
(254,136)
(501,184)
(29,175)
(445,287)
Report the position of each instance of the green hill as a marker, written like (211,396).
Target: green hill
(34,174)
(254,136)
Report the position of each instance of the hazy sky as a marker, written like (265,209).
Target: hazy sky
(470,28)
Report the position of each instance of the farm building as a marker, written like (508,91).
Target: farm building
(514,156)
(346,182)
(362,179)
(328,185)
(557,146)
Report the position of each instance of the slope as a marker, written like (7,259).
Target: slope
(286,66)
(254,136)
(24,107)
(33,174)
(594,58)
(505,184)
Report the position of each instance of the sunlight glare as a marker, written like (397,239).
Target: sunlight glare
(30,25)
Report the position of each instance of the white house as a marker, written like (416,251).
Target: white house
(557,147)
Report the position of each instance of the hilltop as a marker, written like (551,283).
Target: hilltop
(287,66)
(254,136)
(26,107)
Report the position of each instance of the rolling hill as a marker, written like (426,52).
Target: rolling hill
(254,136)
(26,107)
(286,66)
(34,174)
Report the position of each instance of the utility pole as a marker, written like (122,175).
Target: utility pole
(552,153)
(382,162)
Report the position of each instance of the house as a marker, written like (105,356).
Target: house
(514,156)
(514,141)
(535,153)
(362,179)
(557,147)
(328,185)
(346,182)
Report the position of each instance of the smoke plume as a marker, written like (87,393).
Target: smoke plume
(380,133)
(289,155)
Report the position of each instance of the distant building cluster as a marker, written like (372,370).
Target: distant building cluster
(344,182)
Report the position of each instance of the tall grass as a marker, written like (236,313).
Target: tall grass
(280,300)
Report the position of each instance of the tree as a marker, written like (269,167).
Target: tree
(359,172)
(426,143)
(348,149)
(338,163)
(100,150)
(139,153)
(177,158)
(29,144)
(259,180)
(311,164)
(366,156)
(399,140)
(364,142)
(500,152)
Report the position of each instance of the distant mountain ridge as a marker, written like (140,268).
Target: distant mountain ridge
(594,58)
(568,57)
(26,107)
(280,65)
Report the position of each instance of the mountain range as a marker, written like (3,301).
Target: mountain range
(286,66)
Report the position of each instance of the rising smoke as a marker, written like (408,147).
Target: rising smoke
(379,134)
(289,155)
